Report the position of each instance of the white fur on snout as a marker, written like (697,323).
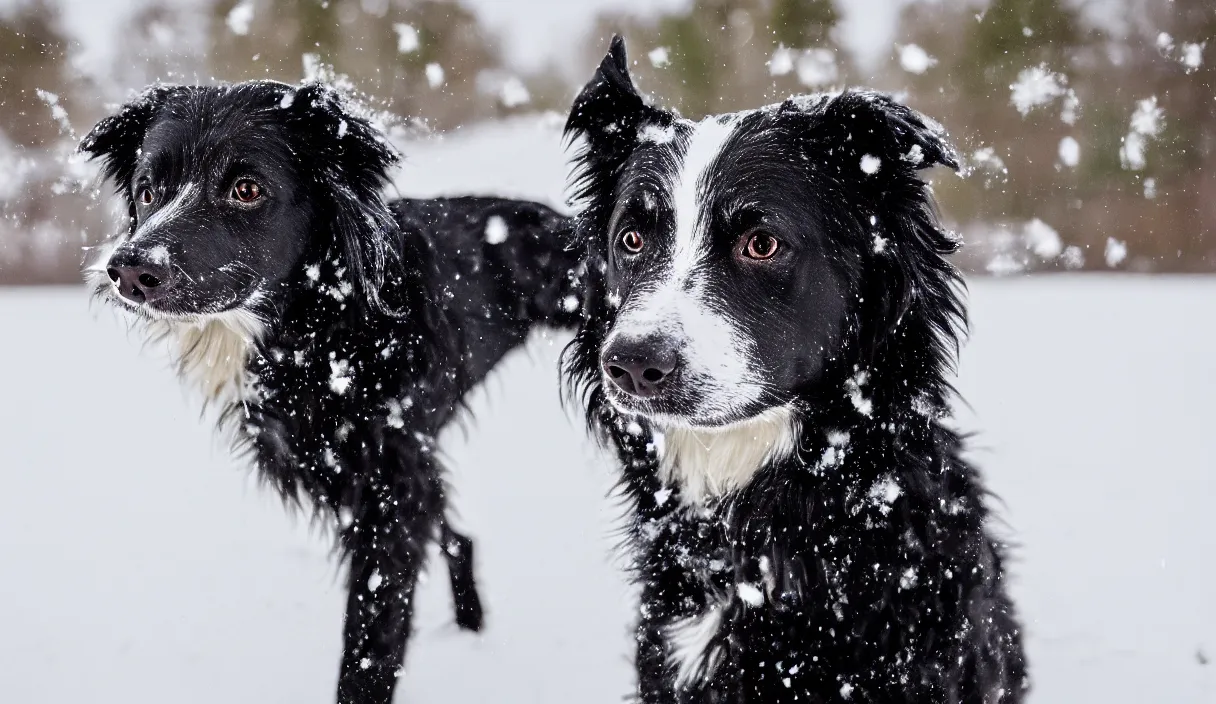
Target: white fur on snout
(715,356)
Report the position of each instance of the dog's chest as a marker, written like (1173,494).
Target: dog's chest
(706,463)
(212,357)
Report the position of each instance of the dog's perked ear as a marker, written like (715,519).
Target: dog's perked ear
(116,139)
(607,115)
(348,159)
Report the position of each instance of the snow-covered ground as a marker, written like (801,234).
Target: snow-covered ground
(139,563)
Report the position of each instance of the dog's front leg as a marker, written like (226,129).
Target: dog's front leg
(397,517)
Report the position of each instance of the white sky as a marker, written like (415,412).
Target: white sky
(533,31)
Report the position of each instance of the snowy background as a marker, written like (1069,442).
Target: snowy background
(140,563)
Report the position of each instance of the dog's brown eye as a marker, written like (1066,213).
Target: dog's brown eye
(146,196)
(631,241)
(760,245)
(246,190)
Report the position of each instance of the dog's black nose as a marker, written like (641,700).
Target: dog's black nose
(137,277)
(639,365)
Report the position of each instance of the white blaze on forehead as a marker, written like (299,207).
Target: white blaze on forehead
(688,190)
(168,211)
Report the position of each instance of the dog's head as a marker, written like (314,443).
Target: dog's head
(228,187)
(734,261)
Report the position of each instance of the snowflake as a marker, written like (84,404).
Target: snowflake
(1116,252)
(1035,87)
(407,38)
(240,17)
(434,75)
(914,59)
(496,230)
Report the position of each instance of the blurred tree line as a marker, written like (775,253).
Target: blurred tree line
(1083,147)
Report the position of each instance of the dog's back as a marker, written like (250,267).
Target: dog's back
(500,268)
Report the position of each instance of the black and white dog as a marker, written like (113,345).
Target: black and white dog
(768,328)
(337,331)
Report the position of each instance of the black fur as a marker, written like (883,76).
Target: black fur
(864,600)
(377,318)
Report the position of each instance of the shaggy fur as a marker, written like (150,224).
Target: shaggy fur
(336,331)
(846,555)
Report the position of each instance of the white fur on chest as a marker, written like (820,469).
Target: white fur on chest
(212,353)
(709,462)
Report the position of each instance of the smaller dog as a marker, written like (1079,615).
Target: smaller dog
(768,328)
(337,332)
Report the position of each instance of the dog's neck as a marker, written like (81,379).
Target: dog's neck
(705,463)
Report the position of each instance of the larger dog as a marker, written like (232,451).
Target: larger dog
(337,331)
(768,330)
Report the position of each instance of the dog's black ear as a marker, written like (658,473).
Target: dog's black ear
(348,159)
(116,139)
(607,115)
(355,151)
(877,141)
(609,108)
(885,137)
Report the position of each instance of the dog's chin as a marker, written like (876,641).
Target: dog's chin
(667,413)
(173,311)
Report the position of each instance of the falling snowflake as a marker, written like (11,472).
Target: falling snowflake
(496,230)
(817,67)
(884,493)
(339,376)
(657,135)
(1042,239)
(1073,257)
(240,17)
(914,59)
(659,57)
(782,61)
(750,594)
(1191,56)
(1070,152)
(1146,124)
(407,38)
(1035,87)
(434,75)
(854,385)
(1116,252)
(514,93)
